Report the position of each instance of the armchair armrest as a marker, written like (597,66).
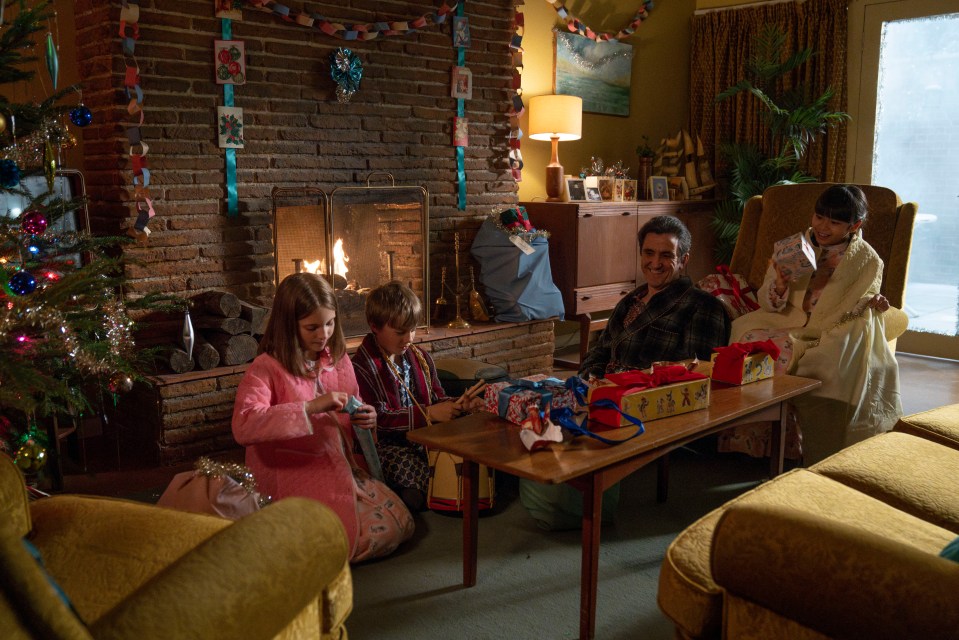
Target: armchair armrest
(895,323)
(247,581)
(838,580)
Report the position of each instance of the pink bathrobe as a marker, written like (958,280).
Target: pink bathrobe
(289,452)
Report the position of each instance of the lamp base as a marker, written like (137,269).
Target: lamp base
(554,183)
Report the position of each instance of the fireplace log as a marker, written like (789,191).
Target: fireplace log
(219,303)
(205,354)
(178,360)
(234,350)
(257,316)
(232,326)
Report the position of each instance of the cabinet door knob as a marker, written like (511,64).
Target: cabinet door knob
(585,297)
(587,215)
(623,293)
(626,213)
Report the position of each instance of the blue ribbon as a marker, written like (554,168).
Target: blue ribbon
(564,417)
(545,396)
(232,202)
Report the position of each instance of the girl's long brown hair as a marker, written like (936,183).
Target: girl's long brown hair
(299,295)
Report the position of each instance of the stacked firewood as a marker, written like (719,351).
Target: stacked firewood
(226,332)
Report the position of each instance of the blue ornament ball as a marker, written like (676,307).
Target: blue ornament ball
(81,116)
(22,283)
(9,174)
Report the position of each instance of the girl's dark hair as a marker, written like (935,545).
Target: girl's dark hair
(844,203)
(298,296)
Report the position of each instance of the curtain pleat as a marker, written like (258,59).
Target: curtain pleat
(722,43)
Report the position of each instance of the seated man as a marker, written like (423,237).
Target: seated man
(666,319)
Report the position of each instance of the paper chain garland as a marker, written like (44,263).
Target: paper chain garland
(346,31)
(515,158)
(129,33)
(575,25)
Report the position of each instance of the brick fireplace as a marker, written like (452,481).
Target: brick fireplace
(299,137)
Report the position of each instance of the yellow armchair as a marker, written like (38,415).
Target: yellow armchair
(132,570)
(787,209)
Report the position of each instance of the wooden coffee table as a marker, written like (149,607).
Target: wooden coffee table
(592,467)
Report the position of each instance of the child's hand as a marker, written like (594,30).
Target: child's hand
(332,401)
(780,284)
(364,417)
(444,411)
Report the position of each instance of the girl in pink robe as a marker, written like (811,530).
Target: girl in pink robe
(288,416)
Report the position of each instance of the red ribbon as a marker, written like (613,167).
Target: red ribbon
(734,283)
(729,360)
(632,381)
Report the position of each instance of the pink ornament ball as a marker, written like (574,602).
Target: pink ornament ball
(34,222)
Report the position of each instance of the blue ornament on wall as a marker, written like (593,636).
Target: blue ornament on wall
(81,116)
(347,71)
(22,283)
(9,174)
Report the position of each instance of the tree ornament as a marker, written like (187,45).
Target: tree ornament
(3,123)
(30,457)
(34,222)
(9,174)
(347,71)
(81,116)
(188,336)
(120,383)
(53,63)
(49,164)
(22,283)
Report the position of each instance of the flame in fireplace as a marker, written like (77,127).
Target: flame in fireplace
(316,266)
(339,259)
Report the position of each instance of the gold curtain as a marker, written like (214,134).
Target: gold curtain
(721,45)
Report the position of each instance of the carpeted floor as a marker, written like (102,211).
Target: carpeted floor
(528,582)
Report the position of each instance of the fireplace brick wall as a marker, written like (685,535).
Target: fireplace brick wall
(297,135)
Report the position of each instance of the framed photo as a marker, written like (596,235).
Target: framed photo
(659,188)
(607,187)
(576,189)
(598,72)
(593,194)
(461,32)
(462,83)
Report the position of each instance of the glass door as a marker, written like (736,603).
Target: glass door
(904,96)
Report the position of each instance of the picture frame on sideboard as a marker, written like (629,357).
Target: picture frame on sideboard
(575,189)
(593,194)
(658,188)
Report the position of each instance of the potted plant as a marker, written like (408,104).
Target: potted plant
(645,153)
(793,122)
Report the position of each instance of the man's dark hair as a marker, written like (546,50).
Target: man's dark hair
(669,225)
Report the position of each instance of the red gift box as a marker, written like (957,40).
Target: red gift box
(744,362)
(666,391)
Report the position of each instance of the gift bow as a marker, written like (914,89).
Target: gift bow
(540,386)
(729,359)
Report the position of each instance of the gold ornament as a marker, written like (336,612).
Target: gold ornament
(3,123)
(49,164)
(31,457)
(120,383)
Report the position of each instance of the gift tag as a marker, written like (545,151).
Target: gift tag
(523,246)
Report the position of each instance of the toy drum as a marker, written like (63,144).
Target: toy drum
(445,490)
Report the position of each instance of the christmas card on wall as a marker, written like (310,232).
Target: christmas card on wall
(230,127)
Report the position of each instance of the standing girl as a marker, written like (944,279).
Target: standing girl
(287,415)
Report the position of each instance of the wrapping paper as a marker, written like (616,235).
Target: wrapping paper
(666,391)
(513,399)
(794,256)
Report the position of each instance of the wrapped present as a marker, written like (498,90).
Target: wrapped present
(794,256)
(667,391)
(512,399)
(744,362)
(731,289)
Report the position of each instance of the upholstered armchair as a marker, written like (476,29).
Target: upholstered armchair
(787,209)
(133,570)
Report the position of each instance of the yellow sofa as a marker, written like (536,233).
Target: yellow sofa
(132,570)
(846,548)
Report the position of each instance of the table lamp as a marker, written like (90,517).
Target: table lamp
(555,118)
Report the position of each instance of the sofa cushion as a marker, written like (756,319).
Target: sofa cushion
(909,473)
(690,597)
(939,425)
(14,503)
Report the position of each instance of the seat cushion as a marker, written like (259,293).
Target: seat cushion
(459,374)
(14,503)
(907,472)
(691,598)
(939,425)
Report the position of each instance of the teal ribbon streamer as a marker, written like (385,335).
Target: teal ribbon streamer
(232,202)
(460,112)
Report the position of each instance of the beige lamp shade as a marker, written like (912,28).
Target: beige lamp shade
(559,117)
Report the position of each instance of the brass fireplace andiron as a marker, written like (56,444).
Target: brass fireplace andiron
(458,322)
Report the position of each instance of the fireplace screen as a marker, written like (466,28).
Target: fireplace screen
(359,237)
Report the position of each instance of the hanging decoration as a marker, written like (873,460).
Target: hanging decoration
(350,31)
(575,25)
(129,34)
(22,283)
(461,41)
(515,158)
(34,222)
(229,54)
(346,69)
(53,62)
(9,173)
(80,116)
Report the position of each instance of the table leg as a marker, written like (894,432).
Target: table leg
(470,520)
(777,442)
(662,479)
(592,523)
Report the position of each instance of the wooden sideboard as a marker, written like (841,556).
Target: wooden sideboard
(594,253)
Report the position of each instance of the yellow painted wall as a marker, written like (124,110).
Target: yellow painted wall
(659,95)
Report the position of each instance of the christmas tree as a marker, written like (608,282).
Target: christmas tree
(65,328)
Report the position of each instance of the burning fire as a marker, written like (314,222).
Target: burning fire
(339,259)
(314,267)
